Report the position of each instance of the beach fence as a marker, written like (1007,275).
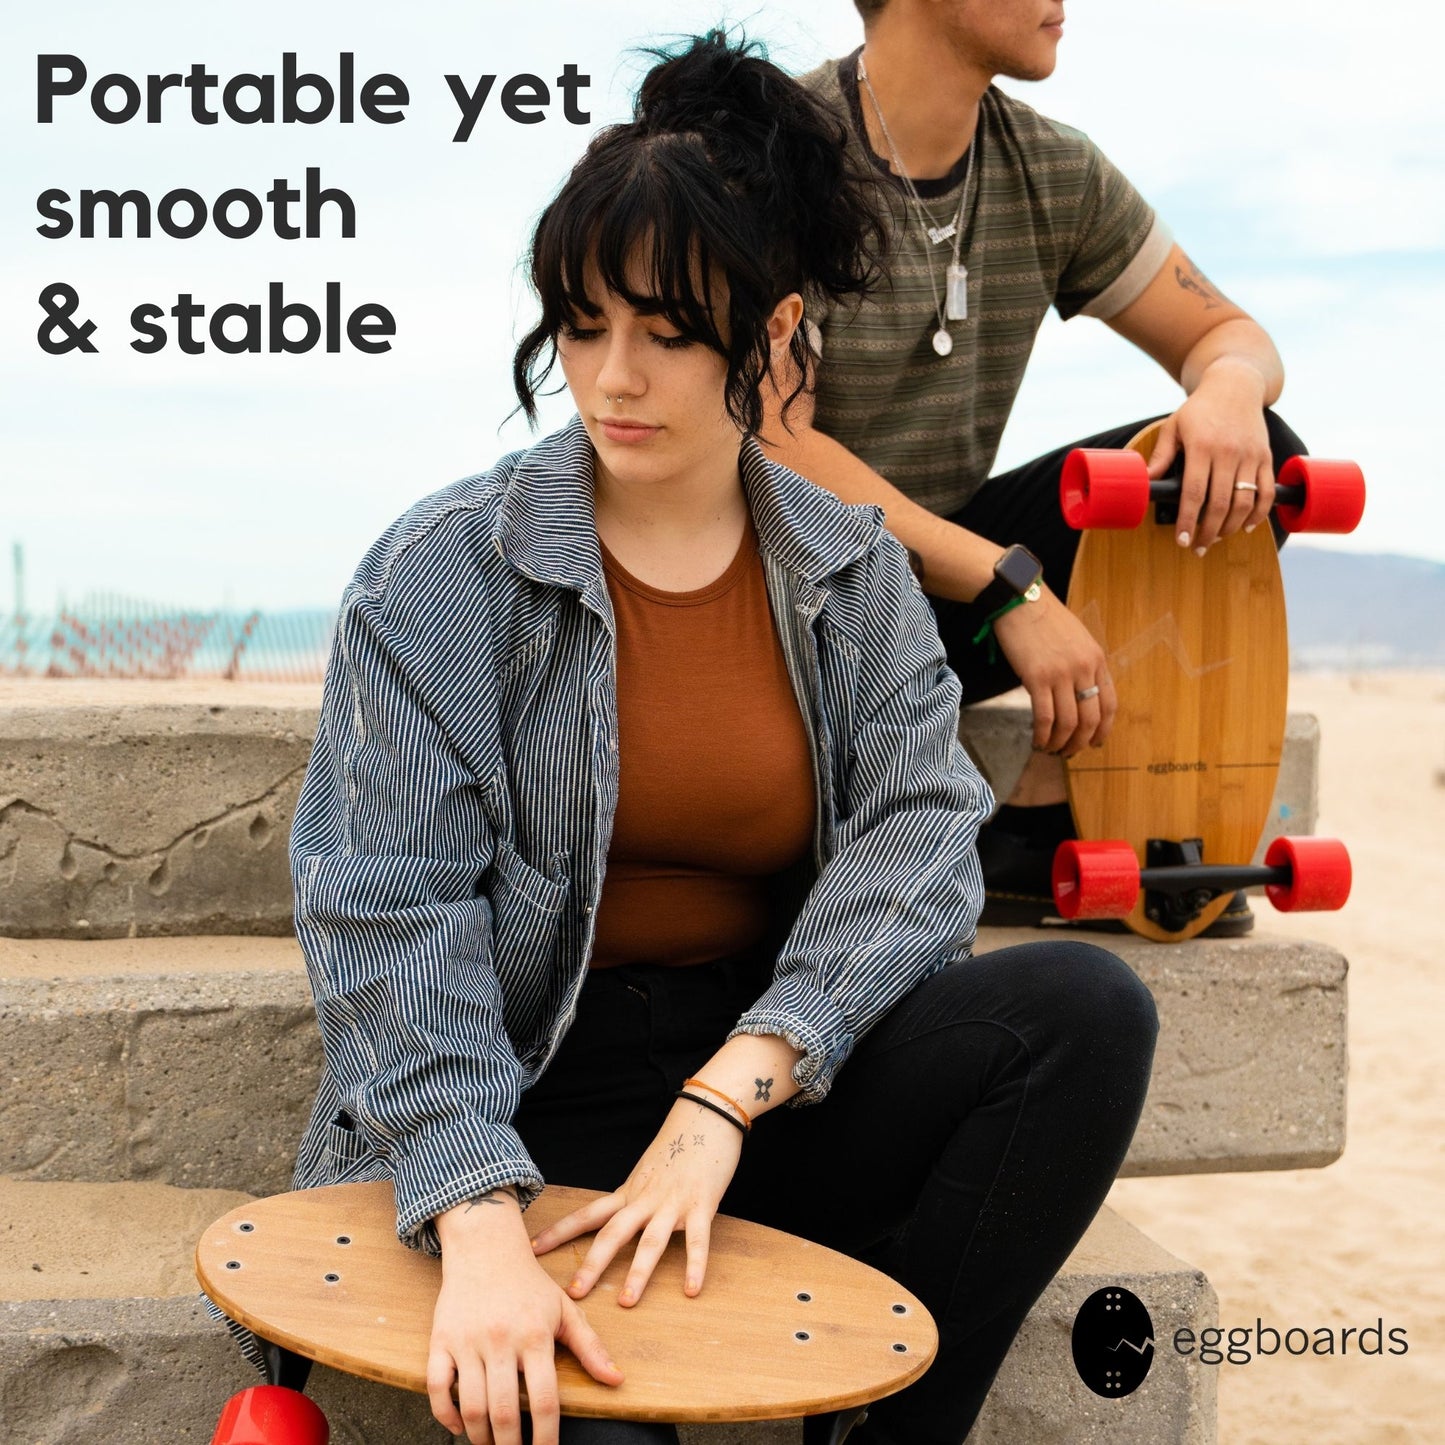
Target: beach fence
(121,637)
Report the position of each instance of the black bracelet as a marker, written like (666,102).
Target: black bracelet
(716,1108)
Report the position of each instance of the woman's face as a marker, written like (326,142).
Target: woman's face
(651,400)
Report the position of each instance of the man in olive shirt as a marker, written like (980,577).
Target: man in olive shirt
(999,213)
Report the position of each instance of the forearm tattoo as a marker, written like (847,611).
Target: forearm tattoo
(765,1089)
(499,1195)
(1196,281)
(674,1148)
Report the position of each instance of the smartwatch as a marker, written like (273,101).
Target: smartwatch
(1017,576)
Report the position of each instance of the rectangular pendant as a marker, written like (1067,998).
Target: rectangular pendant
(957,285)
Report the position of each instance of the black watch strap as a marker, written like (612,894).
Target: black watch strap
(1013,574)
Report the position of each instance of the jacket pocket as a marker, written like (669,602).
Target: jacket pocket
(347,1153)
(526,914)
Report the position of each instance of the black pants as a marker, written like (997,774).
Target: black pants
(1023,506)
(964,1148)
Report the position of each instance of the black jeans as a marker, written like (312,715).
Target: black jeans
(1022,505)
(963,1150)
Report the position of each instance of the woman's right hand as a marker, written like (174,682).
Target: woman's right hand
(498,1316)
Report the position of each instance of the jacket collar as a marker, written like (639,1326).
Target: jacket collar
(547,530)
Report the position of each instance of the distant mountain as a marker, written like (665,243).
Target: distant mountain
(1360,609)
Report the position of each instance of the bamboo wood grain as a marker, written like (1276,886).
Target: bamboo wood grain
(748,1348)
(1199,651)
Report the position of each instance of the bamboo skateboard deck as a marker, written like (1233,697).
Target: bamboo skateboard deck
(782,1327)
(1198,650)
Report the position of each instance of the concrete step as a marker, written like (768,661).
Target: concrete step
(193,1061)
(124,1353)
(164,808)
(149,808)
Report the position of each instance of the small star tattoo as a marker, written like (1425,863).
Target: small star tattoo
(699,1139)
(675,1147)
(765,1089)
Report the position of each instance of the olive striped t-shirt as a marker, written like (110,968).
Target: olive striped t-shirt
(1048,222)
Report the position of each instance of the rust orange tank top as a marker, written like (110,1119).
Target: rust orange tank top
(715,796)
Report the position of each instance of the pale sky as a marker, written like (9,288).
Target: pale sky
(1298,155)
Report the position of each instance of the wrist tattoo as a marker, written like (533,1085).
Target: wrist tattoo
(699,1139)
(765,1089)
(1196,281)
(675,1147)
(499,1195)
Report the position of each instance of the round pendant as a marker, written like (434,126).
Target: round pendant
(942,342)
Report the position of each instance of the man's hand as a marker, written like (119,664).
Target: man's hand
(1057,658)
(1228,472)
(498,1316)
(677,1184)
(1228,365)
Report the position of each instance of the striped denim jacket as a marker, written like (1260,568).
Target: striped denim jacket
(452,831)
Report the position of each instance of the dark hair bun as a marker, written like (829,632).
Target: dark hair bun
(779,146)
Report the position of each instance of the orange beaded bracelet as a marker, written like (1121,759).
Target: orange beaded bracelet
(718,1094)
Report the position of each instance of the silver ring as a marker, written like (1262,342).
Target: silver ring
(1087,693)
(1245,487)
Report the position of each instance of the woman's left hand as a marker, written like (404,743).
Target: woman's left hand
(677,1184)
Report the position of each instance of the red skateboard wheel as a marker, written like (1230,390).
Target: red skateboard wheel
(1095,880)
(1320,874)
(1334,495)
(1101,489)
(271,1415)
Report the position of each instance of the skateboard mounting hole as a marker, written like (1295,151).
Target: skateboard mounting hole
(343,1239)
(900,1349)
(803,1297)
(233,1264)
(245,1228)
(332,1278)
(900,1309)
(802,1336)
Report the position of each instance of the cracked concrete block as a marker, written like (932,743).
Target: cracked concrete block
(998,739)
(139,1369)
(188,1074)
(62,1114)
(168,816)
(167,811)
(194,1061)
(219,1092)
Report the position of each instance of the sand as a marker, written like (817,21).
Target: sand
(1362,1240)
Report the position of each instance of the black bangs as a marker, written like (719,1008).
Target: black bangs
(728,191)
(648,231)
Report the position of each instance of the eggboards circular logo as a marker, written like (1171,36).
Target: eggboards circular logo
(1113,1341)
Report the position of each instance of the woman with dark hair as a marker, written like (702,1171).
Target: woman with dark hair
(637,811)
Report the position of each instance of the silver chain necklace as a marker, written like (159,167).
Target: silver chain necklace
(954,305)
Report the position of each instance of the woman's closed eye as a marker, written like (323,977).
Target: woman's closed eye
(673,341)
